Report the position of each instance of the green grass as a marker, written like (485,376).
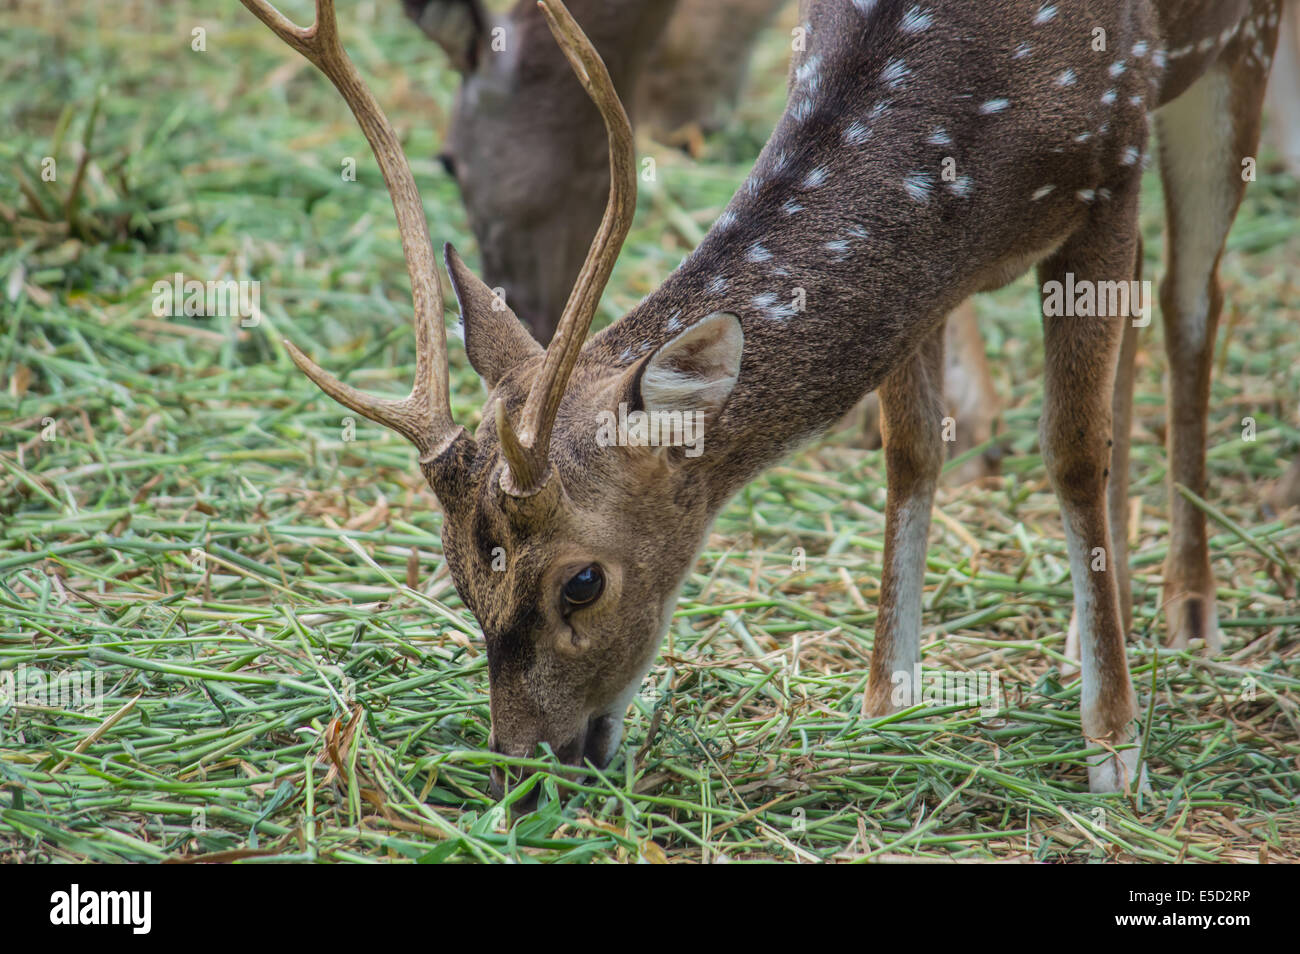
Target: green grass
(286,671)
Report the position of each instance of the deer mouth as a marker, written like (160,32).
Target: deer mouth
(603,734)
(595,743)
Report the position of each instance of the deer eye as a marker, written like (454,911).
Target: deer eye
(584,586)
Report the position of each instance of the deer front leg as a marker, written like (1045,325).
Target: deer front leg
(1118,484)
(1076,434)
(911,423)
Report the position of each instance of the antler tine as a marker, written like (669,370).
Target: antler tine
(423,416)
(544,397)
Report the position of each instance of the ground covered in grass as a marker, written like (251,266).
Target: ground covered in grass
(252,589)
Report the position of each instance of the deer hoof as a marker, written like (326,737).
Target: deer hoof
(1113,773)
(1193,616)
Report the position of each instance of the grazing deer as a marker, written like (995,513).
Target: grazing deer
(827,276)
(526,146)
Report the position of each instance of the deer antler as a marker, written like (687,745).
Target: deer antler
(526,453)
(424,415)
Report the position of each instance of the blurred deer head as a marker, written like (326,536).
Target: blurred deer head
(556,542)
(526,145)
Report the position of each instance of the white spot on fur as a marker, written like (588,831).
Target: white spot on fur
(758,253)
(1068,78)
(839,248)
(1108,97)
(1140,48)
(1023,50)
(816,178)
(940,137)
(725,221)
(1130,156)
(961,186)
(1043,192)
(916,20)
(919,185)
(790,207)
(894,73)
(781,310)
(1086,195)
(994,106)
(1045,15)
(717,285)
(865,6)
(856,133)
(808,67)
(1117,68)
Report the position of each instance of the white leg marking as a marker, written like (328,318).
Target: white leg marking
(1106,773)
(908,568)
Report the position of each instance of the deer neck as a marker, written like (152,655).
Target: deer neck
(893,188)
(836,273)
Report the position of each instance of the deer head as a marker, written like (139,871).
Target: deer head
(525,145)
(556,542)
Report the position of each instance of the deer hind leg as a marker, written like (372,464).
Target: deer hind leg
(1286,492)
(971,397)
(1204,137)
(971,394)
(1076,434)
(911,422)
(1284,88)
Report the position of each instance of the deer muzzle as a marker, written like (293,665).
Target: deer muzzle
(595,743)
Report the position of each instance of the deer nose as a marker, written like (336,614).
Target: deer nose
(498,785)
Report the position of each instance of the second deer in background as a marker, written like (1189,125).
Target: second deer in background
(528,149)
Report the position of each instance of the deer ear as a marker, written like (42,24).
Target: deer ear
(694,371)
(495,340)
(458,26)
